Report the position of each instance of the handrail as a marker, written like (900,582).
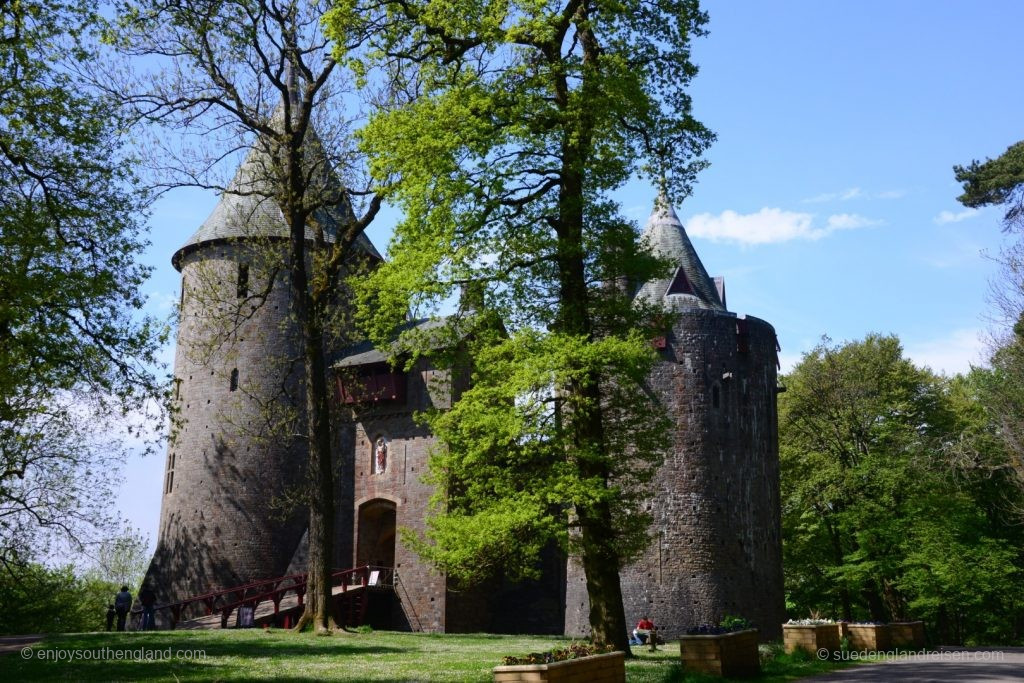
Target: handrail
(273,590)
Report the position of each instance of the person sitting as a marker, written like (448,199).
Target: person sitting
(643,630)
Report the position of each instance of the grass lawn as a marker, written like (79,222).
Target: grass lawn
(282,656)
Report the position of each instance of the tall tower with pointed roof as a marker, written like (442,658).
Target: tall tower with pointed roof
(229,511)
(716,546)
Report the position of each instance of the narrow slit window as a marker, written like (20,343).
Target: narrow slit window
(716,398)
(234,380)
(243,280)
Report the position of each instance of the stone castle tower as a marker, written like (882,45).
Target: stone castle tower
(237,379)
(716,546)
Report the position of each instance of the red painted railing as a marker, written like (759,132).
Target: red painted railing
(227,600)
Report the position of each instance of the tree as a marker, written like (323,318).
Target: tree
(75,352)
(854,422)
(998,181)
(883,501)
(260,72)
(121,560)
(519,119)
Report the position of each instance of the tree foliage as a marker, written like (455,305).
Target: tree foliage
(998,181)
(519,119)
(887,513)
(40,599)
(75,352)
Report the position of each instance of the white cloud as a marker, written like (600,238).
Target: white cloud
(849,221)
(853,193)
(769,225)
(950,217)
(841,196)
(952,354)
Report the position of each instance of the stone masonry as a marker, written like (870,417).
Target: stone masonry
(235,461)
(716,545)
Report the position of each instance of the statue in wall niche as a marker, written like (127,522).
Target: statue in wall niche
(380,456)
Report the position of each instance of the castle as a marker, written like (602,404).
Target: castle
(715,540)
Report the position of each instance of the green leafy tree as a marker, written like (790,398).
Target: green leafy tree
(1000,182)
(892,504)
(75,352)
(855,423)
(521,117)
(121,561)
(39,599)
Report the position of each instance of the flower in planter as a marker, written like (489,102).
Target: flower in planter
(729,624)
(572,651)
(810,622)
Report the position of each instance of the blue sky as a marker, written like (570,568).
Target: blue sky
(830,205)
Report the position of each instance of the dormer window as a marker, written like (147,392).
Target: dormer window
(680,283)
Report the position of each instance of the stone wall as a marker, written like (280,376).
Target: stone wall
(715,541)
(231,462)
(399,486)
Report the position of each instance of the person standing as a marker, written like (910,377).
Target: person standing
(122,604)
(111,613)
(148,599)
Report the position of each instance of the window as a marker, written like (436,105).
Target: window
(243,280)
(680,283)
(716,398)
(169,486)
(234,380)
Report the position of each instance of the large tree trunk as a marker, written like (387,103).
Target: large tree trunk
(599,557)
(601,566)
(320,493)
(321,507)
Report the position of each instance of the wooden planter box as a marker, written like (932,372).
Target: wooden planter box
(908,634)
(868,637)
(606,668)
(811,637)
(730,654)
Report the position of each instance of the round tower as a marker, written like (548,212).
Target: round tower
(230,510)
(715,545)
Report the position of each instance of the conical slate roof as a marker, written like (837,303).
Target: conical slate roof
(245,210)
(688,285)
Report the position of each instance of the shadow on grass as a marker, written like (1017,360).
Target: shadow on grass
(182,656)
(663,667)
